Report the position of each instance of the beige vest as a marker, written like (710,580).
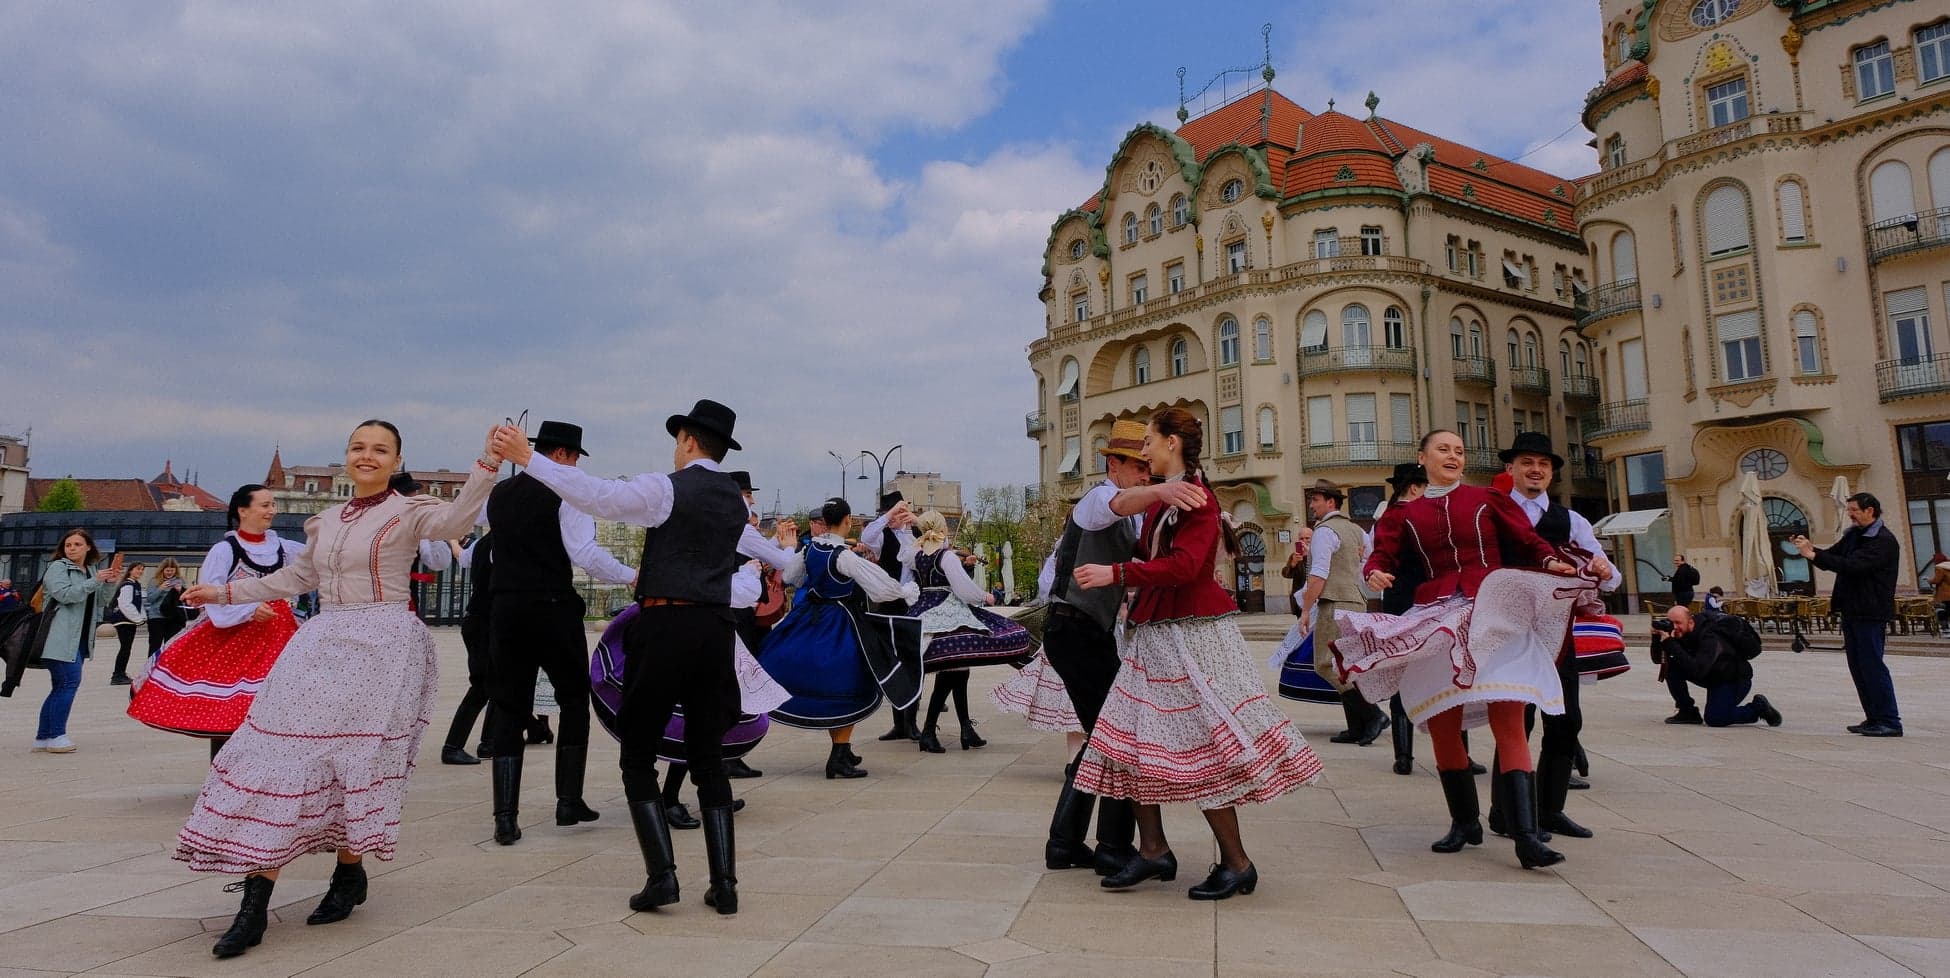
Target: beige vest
(1344,568)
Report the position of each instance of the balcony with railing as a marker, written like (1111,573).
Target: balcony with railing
(1609,300)
(1357,455)
(1034,423)
(1530,380)
(1316,360)
(1913,377)
(1906,235)
(1476,370)
(1731,132)
(1481,460)
(1617,418)
(1580,387)
(1587,470)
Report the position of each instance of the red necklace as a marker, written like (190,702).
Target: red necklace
(249,537)
(357,506)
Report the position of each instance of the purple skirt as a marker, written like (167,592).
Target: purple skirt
(606,687)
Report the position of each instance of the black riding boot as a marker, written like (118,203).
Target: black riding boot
(659,860)
(1520,802)
(1402,729)
(247,928)
(1499,820)
(1066,848)
(1116,835)
(720,850)
(1365,722)
(507,798)
(1459,790)
(347,890)
(569,764)
(1553,784)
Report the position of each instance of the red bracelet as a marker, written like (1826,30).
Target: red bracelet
(486,466)
(1120,574)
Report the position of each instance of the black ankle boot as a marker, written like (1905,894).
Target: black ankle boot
(1459,790)
(1520,802)
(569,806)
(1553,785)
(1116,830)
(1356,718)
(1402,729)
(347,890)
(1222,883)
(507,799)
(720,850)
(840,765)
(1164,869)
(659,860)
(929,743)
(970,740)
(1374,720)
(737,768)
(678,815)
(247,928)
(1066,848)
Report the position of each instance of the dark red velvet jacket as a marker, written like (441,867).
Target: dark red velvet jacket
(1177,583)
(1458,539)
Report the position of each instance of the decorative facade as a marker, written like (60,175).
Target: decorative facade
(316,488)
(1321,290)
(1770,234)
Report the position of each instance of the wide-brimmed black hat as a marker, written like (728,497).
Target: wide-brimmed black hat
(891,500)
(744,480)
(707,415)
(1409,474)
(559,434)
(1531,443)
(403,483)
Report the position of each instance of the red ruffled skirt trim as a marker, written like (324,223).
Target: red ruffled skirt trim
(204,681)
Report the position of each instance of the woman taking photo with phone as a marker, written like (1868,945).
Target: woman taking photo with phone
(72,591)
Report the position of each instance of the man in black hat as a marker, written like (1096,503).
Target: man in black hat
(535,622)
(885,548)
(679,649)
(1532,465)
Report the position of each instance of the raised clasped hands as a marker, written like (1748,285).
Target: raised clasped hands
(508,444)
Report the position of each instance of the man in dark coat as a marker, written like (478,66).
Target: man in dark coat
(1865,562)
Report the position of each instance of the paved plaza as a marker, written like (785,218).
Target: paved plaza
(1746,851)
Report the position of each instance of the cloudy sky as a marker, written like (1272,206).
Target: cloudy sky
(228,226)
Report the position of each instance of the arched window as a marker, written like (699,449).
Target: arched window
(1579,367)
(1228,341)
(1530,350)
(1262,338)
(1141,366)
(1066,387)
(1564,357)
(1510,342)
(1181,360)
(1890,193)
(1475,338)
(1154,221)
(1356,331)
(1456,348)
(1791,197)
(1266,433)
(1725,215)
(1807,341)
(1076,250)
(1181,211)
(1394,328)
(1130,228)
(1232,190)
(1313,332)
(1624,258)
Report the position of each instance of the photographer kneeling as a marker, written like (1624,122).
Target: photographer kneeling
(1712,650)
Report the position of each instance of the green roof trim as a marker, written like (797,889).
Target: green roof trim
(1181,151)
(1255,161)
(1094,231)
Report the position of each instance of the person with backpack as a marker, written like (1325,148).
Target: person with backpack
(1714,650)
(126,615)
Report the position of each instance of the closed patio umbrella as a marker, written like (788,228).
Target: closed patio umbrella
(1756,550)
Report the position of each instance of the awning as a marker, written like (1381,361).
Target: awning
(1579,287)
(1069,386)
(1628,524)
(1514,271)
(1074,453)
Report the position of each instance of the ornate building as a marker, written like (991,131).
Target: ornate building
(316,488)
(1771,237)
(1320,289)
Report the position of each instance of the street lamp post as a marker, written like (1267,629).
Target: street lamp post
(880,462)
(844,462)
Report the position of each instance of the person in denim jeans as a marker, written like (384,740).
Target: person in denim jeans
(73,590)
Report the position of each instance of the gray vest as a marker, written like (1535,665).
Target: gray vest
(1111,545)
(691,557)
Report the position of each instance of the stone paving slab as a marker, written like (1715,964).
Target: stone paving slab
(1744,851)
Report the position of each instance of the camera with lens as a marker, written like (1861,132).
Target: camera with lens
(1662,624)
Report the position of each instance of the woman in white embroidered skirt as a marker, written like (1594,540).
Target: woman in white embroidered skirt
(1188,718)
(321,761)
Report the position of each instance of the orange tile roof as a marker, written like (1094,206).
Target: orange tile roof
(1238,122)
(101,495)
(1628,74)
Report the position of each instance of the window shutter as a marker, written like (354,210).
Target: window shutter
(1804,324)
(1313,333)
(1908,302)
(1360,409)
(1401,418)
(1726,221)
(1890,193)
(1940,178)
(1320,421)
(1266,427)
(1794,220)
(1739,325)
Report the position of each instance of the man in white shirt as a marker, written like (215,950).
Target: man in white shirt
(1334,558)
(1533,465)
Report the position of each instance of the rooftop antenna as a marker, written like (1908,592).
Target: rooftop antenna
(1224,80)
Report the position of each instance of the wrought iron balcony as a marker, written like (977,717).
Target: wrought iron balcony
(1581,387)
(1587,470)
(1530,380)
(1481,460)
(1476,370)
(1917,232)
(1356,359)
(1034,423)
(1610,299)
(1357,455)
(1617,418)
(1914,377)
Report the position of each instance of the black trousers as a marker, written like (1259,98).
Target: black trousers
(1561,732)
(1085,656)
(527,632)
(474,635)
(678,654)
(162,630)
(125,634)
(1682,698)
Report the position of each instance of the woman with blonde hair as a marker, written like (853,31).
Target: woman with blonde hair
(165,605)
(957,630)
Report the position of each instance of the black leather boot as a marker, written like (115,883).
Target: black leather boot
(1163,869)
(347,890)
(1374,720)
(1498,821)
(929,743)
(247,928)
(1402,729)
(840,765)
(678,815)
(903,726)
(569,764)
(1459,790)
(1553,784)
(659,860)
(970,740)
(507,798)
(720,850)
(1116,832)
(1520,802)
(1066,848)
(737,768)
(1351,712)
